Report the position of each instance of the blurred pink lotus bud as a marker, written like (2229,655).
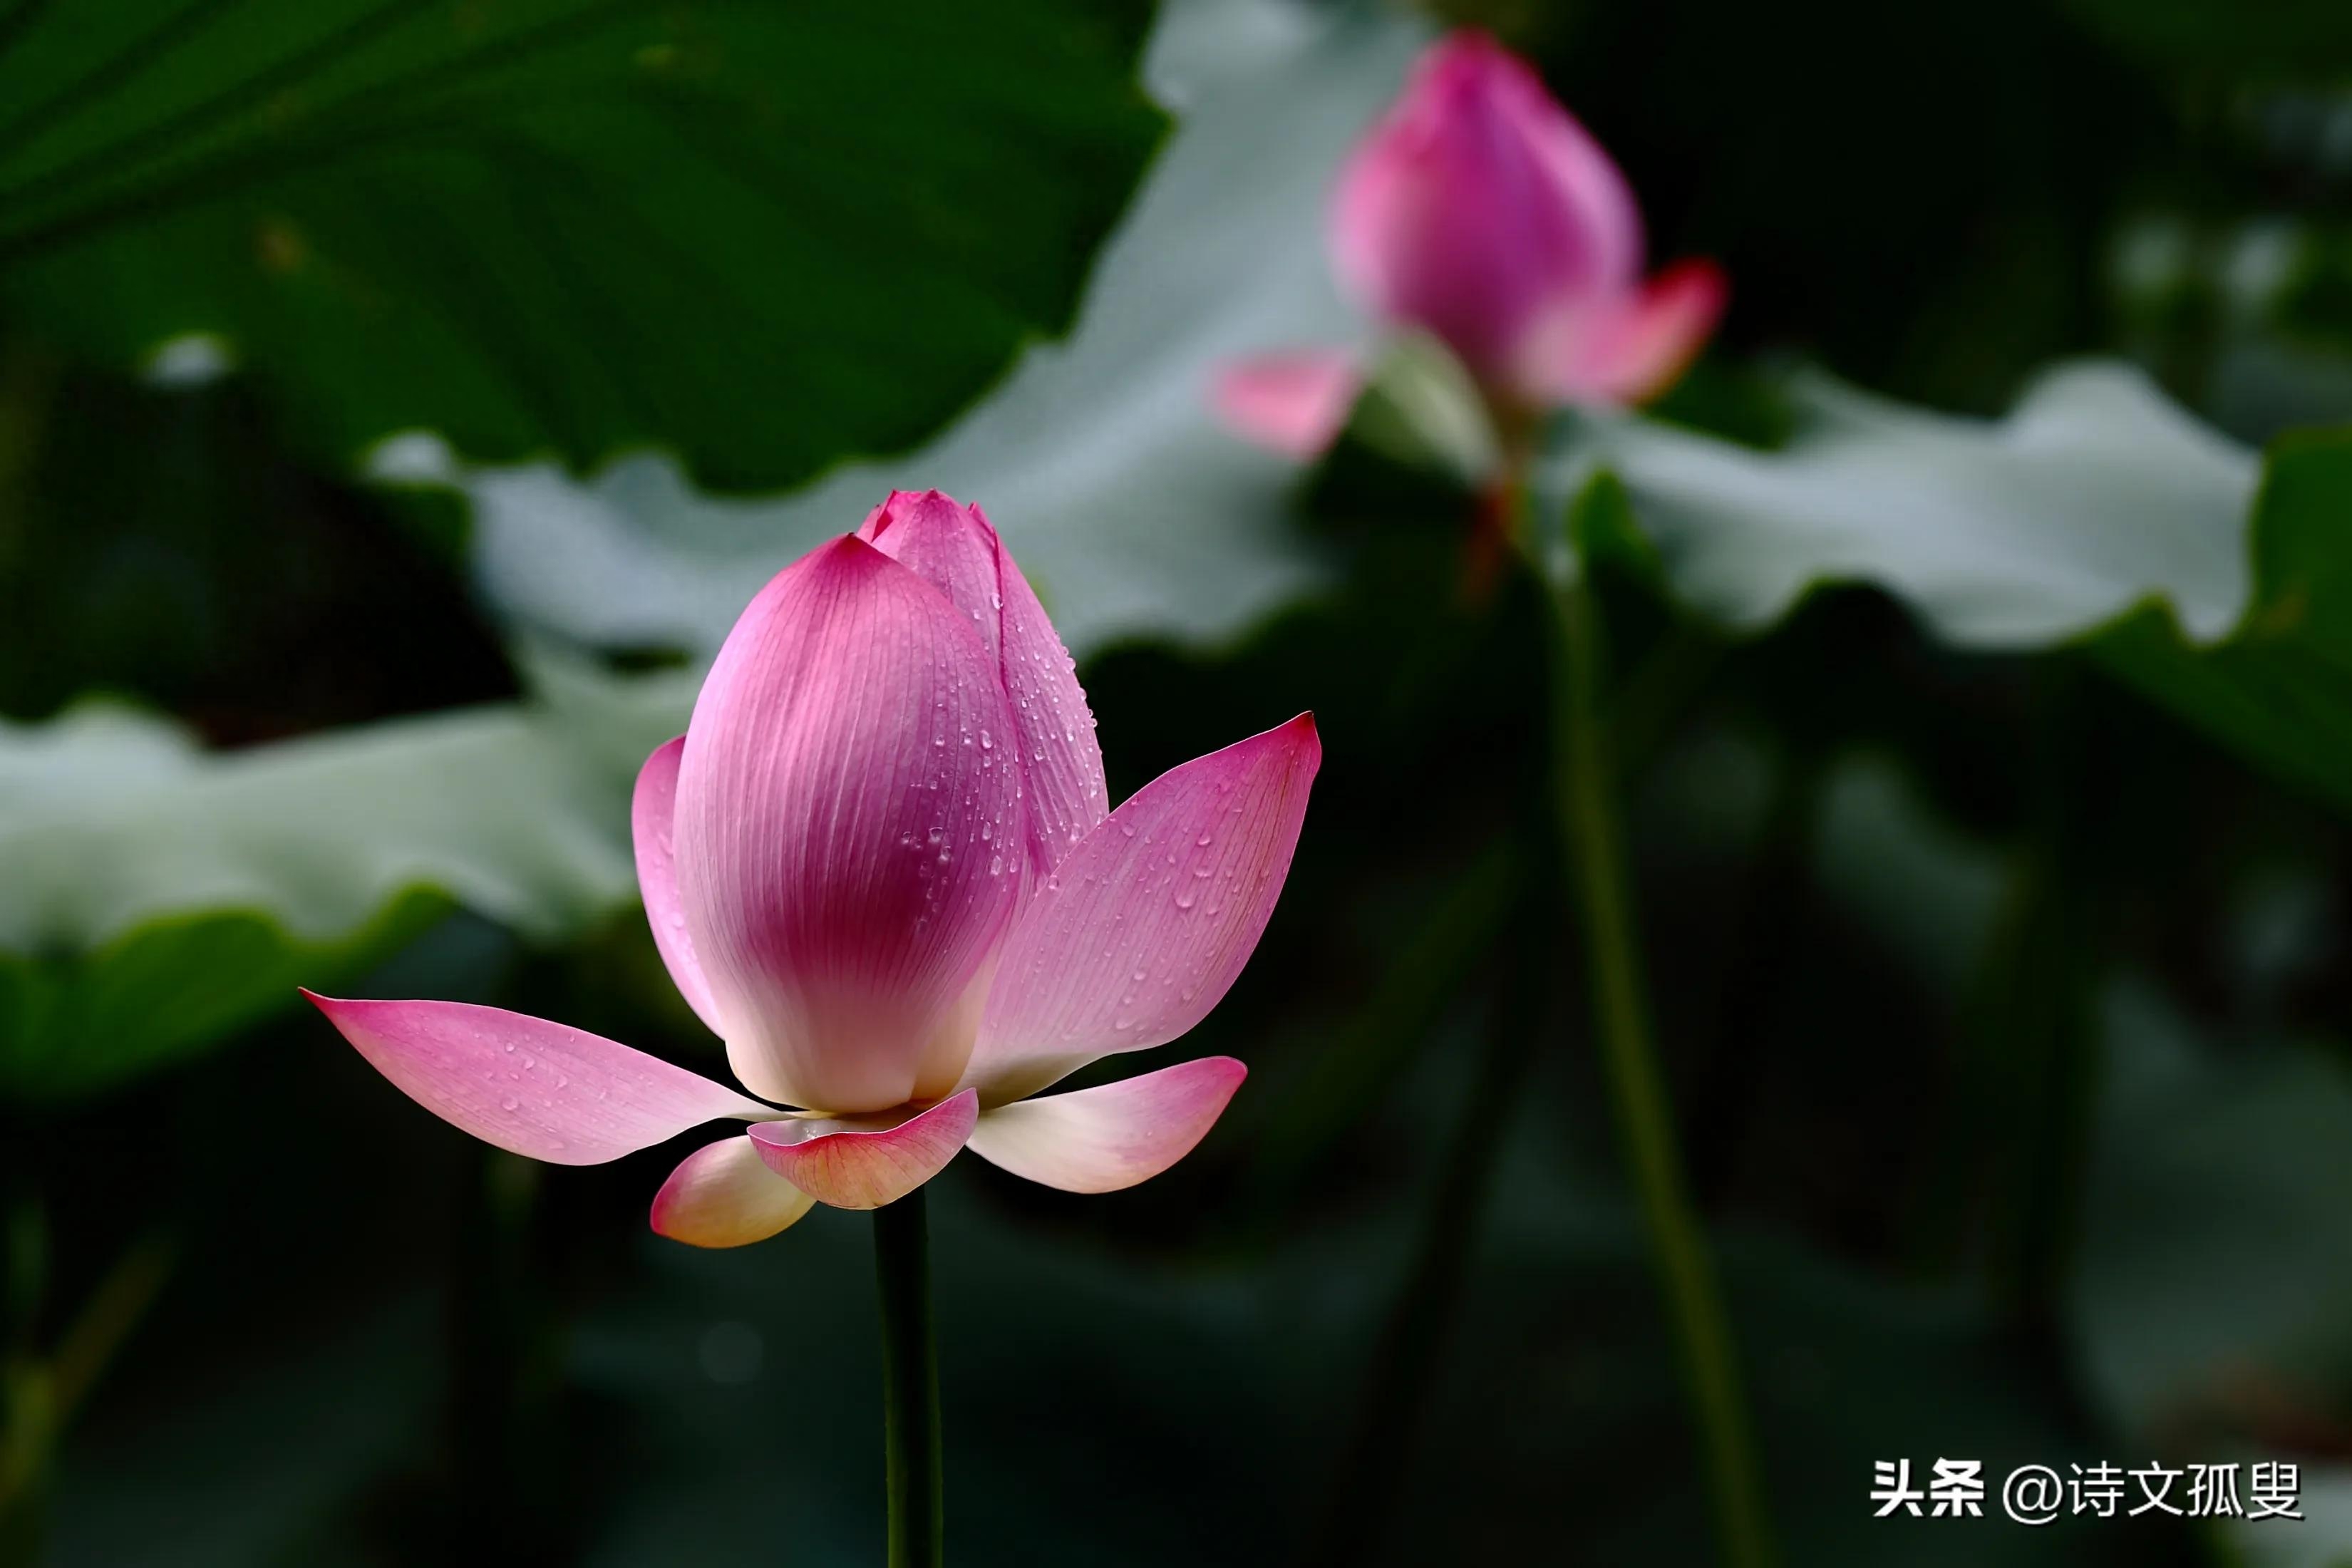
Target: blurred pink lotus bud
(880,865)
(1478,209)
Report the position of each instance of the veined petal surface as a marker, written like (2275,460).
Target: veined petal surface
(1145,925)
(863,1163)
(850,743)
(651,811)
(529,1086)
(724,1194)
(956,550)
(1100,1140)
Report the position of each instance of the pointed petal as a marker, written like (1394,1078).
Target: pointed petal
(1145,924)
(1476,203)
(1100,1140)
(863,1163)
(847,750)
(1634,347)
(1294,403)
(954,548)
(535,1087)
(650,813)
(724,1196)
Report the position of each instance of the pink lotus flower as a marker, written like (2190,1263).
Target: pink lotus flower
(880,865)
(1479,210)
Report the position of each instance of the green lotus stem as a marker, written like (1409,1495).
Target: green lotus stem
(38,1396)
(910,1384)
(1594,837)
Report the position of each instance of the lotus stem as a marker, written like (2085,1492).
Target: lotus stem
(1593,835)
(910,1384)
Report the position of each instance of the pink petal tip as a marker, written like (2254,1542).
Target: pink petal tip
(1294,404)
(1186,875)
(863,1163)
(536,1088)
(724,1194)
(1101,1140)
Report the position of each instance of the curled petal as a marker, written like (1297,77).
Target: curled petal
(864,1161)
(1294,403)
(724,1196)
(953,548)
(1630,348)
(1145,925)
(650,812)
(1477,203)
(1100,1140)
(543,1089)
(849,748)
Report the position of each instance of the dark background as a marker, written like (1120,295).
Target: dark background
(2005,1012)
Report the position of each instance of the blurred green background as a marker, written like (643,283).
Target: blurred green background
(397,402)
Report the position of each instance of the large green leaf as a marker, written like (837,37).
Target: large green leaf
(2096,514)
(159,896)
(2280,689)
(1133,512)
(2093,495)
(771,236)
